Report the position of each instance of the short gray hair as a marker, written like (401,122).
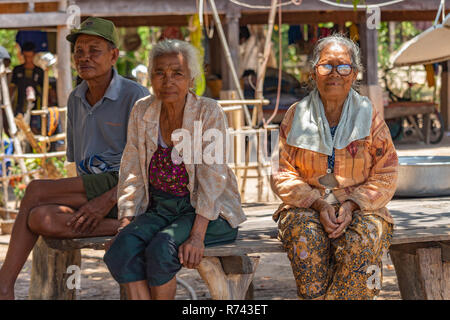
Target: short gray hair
(172,46)
(342,40)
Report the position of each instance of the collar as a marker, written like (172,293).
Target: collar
(153,112)
(112,92)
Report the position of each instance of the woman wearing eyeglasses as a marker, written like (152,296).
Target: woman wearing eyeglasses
(337,171)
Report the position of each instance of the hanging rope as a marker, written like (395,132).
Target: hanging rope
(252,6)
(342,5)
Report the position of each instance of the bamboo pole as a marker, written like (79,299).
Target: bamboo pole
(10,118)
(45,103)
(21,175)
(5,182)
(41,112)
(49,167)
(244,101)
(34,155)
(257,112)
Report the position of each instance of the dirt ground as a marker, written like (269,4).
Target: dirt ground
(273,279)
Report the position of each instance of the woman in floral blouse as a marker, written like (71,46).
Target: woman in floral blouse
(337,171)
(174,197)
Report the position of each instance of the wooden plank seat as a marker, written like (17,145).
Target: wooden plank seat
(420,252)
(227,269)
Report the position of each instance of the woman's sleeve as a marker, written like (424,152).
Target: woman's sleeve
(380,186)
(286,181)
(130,188)
(211,174)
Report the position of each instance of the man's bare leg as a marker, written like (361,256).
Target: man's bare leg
(51,221)
(69,192)
(138,290)
(166,291)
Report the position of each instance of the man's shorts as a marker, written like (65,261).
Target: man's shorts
(97,184)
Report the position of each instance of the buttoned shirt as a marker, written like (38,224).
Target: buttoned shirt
(366,171)
(212,187)
(101,129)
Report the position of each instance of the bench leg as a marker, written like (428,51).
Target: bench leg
(423,273)
(228,278)
(50,277)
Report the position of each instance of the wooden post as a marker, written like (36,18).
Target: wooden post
(49,273)
(369,58)
(64,83)
(228,282)
(423,270)
(445,94)
(232,34)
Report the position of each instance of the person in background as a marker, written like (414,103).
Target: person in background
(24,76)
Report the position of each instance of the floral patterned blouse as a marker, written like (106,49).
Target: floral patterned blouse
(166,175)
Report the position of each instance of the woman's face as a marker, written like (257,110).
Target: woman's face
(334,86)
(170,78)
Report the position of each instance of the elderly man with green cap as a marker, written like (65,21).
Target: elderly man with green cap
(97,117)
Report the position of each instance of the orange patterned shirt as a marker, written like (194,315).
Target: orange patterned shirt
(366,171)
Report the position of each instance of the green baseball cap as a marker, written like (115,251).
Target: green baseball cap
(96,27)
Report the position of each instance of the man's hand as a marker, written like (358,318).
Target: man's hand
(88,216)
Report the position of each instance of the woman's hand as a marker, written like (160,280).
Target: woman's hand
(88,216)
(190,252)
(327,215)
(344,218)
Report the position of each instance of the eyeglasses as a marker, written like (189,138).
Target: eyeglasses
(326,69)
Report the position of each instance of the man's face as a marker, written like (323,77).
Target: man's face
(28,56)
(93,56)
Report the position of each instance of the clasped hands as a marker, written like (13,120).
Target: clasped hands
(335,223)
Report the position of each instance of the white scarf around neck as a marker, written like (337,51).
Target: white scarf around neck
(310,129)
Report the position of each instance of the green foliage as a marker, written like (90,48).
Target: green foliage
(398,78)
(33,164)
(8,40)
(129,60)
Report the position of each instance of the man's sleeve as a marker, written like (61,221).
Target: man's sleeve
(69,132)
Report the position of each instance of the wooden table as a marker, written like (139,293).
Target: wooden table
(409,109)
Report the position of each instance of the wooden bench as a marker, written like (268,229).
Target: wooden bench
(420,252)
